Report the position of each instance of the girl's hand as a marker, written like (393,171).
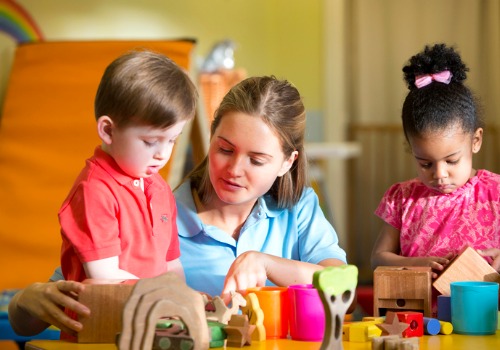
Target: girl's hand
(46,302)
(494,254)
(436,263)
(247,271)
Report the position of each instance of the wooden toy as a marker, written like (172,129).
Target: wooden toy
(446,327)
(360,332)
(255,316)
(336,286)
(217,310)
(444,308)
(106,299)
(467,266)
(394,326)
(217,334)
(174,337)
(378,343)
(402,288)
(377,319)
(431,326)
(415,320)
(394,342)
(239,331)
(401,344)
(162,297)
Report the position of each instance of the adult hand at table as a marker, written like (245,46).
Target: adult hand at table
(41,304)
(494,254)
(247,271)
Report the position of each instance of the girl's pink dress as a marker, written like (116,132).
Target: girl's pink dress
(435,224)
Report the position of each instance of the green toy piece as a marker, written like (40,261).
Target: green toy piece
(217,334)
(336,287)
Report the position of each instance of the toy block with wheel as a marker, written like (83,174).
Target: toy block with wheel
(402,288)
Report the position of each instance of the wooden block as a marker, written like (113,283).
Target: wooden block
(402,288)
(467,266)
(105,299)
(239,331)
(446,327)
(373,319)
(444,308)
(431,326)
(394,327)
(363,331)
(164,296)
(172,338)
(217,334)
(378,343)
(414,319)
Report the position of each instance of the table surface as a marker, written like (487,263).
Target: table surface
(452,341)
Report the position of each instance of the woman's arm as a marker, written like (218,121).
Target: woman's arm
(386,252)
(494,254)
(40,305)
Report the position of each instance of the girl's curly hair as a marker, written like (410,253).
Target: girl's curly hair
(437,106)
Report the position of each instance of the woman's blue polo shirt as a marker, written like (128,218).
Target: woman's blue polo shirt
(300,233)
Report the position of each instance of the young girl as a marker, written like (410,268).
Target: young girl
(428,220)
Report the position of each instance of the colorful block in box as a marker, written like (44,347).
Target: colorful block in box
(373,319)
(360,332)
(414,319)
(345,331)
(400,288)
(431,326)
(444,308)
(446,327)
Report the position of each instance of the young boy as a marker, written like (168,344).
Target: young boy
(119,219)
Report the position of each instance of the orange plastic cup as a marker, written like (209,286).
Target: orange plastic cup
(274,303)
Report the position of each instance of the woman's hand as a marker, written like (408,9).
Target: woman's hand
(494,254)
(42,304)
(252,269)
(247,270)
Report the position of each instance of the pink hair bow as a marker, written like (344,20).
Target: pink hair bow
(425,79)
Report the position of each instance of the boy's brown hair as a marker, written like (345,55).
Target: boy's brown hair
(143,87)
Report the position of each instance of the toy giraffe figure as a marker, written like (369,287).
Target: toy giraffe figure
(218,311)
(336,287)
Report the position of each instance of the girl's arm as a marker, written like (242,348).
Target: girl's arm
(40,305)
(386,252)
(386,249)
(106,269)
